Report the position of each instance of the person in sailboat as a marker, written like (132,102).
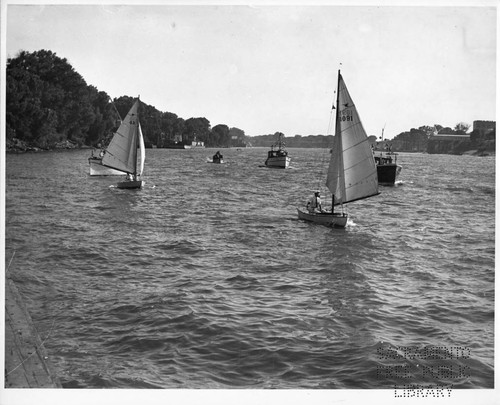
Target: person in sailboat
(314,204)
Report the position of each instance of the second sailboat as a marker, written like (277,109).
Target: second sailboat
(122,152)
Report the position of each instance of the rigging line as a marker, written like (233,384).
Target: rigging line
(36,346)
(10,262)
(114,106)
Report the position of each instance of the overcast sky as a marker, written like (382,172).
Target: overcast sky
(267,68)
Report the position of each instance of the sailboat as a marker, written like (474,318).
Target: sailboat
(121,153)
(352,173)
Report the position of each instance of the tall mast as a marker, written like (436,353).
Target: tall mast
(337,113)
(137,143)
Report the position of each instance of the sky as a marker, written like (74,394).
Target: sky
(268,67)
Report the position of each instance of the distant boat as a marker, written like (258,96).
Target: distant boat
(217,158)
(121,153)
(278,157)
(352,173)
(388,169)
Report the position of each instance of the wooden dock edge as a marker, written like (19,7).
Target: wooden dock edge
(26,360)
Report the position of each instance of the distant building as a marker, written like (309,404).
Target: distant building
(197,144)
(483,127)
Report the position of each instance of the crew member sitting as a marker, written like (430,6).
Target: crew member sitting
(217,155)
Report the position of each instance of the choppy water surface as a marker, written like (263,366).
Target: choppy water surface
(206,278)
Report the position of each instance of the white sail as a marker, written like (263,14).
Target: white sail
(142,150)
(121,154)
(352,173)
(335,179)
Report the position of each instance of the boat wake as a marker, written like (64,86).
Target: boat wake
(350,223)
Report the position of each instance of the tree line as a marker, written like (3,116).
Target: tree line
(297,141)
(49,103)
(421,140)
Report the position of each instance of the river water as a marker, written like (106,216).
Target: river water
(205,278)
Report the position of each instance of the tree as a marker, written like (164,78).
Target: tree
(198,128)
(427,129)
(48,102)
(462,128)
(219,135)
(236,137)
(105,118)
(446,130)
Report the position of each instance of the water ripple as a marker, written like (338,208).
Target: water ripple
(206,279)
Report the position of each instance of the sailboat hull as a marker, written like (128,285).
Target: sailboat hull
(129,184)
(337,220)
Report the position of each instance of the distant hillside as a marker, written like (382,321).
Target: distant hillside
(49,104)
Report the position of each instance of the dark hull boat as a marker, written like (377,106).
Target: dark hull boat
(387,168)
